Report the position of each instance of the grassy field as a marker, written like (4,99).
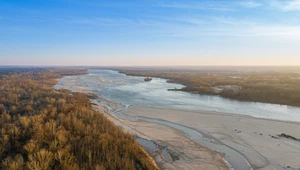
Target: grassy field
(273,85)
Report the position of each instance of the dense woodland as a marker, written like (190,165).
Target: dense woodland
(269,86)
(41,128)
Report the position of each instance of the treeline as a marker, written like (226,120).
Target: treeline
(278,87)
(41,128)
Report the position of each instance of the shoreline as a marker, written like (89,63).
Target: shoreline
(256,109)
(203,139)
(112,113)
(133,128)
(255,138)
(191,156)
(170,80)
(248,135)
(221,114)
(135,111)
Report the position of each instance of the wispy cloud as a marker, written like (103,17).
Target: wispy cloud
(279,31)
(98,21)
(250,4)
(210,5)
(230,27)
(199,6)
(290,5)
(265,32)
(284,5)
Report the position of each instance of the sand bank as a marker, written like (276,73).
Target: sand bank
(256,139)
(188,154)
(190,136)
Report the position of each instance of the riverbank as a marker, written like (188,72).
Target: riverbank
(265,86)
(256,139)
(184,153)
(245,140)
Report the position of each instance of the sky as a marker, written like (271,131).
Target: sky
(149,32)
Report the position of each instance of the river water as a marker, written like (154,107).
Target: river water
(133,90)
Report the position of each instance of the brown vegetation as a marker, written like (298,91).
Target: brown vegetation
(41,128)
(283,135)
(278,87)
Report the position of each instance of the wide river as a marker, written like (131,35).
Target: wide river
(133,90)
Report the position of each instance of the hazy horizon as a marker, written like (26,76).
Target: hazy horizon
(150,33)
(150,66)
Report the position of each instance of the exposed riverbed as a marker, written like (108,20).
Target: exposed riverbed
(133,91)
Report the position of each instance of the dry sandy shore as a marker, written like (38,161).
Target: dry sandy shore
(256,139)
(253,138)
(189,155)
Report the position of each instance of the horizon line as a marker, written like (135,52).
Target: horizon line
(41,65)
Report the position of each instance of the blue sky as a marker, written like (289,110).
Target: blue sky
(149,32)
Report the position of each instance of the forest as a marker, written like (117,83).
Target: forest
(41,128)
(261,85)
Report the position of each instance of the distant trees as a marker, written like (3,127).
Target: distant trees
(279,87)
(42,129)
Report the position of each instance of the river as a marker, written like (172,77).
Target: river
(133,90)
